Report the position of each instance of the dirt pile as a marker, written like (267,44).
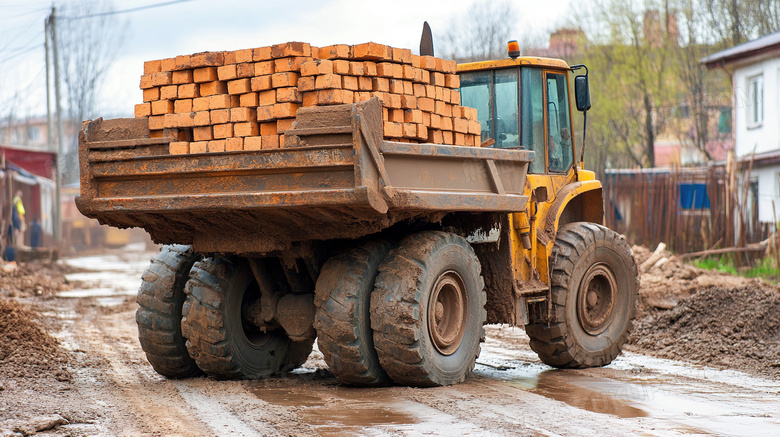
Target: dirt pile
(26,351)
(707,317)
(34,279)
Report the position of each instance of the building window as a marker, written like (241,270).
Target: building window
(755,102)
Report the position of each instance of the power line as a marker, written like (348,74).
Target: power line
(124,11)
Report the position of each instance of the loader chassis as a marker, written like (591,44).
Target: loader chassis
(391,254)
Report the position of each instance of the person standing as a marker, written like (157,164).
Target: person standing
(17,219)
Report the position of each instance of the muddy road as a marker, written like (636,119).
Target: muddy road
(112,390)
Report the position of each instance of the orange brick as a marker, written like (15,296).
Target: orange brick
(430,91)
(288,94)
(446,123)
(460,125)
(306,84)
(199,147)
(261,83)
(334,97)
(179,147)
(226,72)
(408,102)
(264,68)
(350,83)
(156,122)
(371,52)
(202,133)
(434,121)
(182,76)
(393,129)
(396,115)
(394,101)
(223,130)
(168,64)
(402,56)
(327,81)
(287,79)
(290,49)
(426,117)
(438,79)
(268,128)
(266,98)
(152,67)
(443,109)
(446,92)
(186,119)
(188,91)
(475,128)
(369,68)
(151,94)
(200,104)
(459,139)
(239,86)
(265,113)
(452,81)
(216,146)
(202,118)
(413,116)
(455,97)
(206,74)
(162,107)
(183,62)
(438,93)
(220,116)
(341,66)
(285,110)
(212,88)
(207,59)
(248,100)
(252,143)
(309,99)
(234,144)
(284,124)
(425,76)
(160,79)
(449,66)
(339,51)
(426,104)
(365,83)
(182,105)
(270,141)
(435,136)
(471,140)
(242,115)
(261,54)
(396,86)
(244,55)
(362,96)
(170,121)
(246,129)
(143,110)
(381,84)
(410,130)
(168,92)
(407,72)
(356,69)
(447,137)
(289,64)
(245,70)
(428,62)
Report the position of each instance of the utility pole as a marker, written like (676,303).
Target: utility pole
(49,126)
(60,140)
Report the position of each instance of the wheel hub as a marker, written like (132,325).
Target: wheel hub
(596,299)
(447,312)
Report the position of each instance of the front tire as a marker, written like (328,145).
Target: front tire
(219,337)
(427,310)
(593,286)
(160,300)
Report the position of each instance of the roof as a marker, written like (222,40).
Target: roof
(749,49)
(523,60)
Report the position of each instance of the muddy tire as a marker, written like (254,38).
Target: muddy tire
(159,313)
(343,301)
(427,310)
(594,285)
(220,341)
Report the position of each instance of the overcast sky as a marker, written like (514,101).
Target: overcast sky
(202,25)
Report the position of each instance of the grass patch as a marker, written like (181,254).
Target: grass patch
(765,268)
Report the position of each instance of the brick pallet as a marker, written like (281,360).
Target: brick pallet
(247,99)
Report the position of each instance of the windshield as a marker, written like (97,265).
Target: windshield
(496,110)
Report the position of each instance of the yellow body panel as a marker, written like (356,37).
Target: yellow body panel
(521,61)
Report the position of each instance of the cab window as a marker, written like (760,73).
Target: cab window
(495,95)
(533,117)
(559,148)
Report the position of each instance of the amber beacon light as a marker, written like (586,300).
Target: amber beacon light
(513,48)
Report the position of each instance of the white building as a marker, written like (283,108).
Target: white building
(755,73)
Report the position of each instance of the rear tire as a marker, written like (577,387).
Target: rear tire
(159,313)
(427,310)
(594,285)
(343,301)
(223,344)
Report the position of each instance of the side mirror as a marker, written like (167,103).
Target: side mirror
(582,92)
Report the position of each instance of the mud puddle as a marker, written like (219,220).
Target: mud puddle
(111,276)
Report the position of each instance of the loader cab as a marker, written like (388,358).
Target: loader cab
(523,103)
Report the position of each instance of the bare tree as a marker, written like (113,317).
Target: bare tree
(482,32)
(89,38)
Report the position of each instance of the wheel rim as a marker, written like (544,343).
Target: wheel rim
(250,305)
(447,312)
(596,299)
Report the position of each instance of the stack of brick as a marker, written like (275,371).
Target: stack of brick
(247,99)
